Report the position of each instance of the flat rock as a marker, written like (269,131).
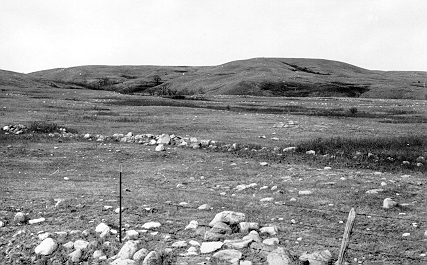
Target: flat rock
(204,207)
(123,262)
(180,244)
(253,235)
(221,228)
(46,247)
(97,254)
(211,236)
(209,247)
(271,230)
(36,221)
(271,241)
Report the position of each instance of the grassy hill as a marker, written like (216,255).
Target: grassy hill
(258,76)
(13,79)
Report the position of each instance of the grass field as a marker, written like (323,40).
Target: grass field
(34,167)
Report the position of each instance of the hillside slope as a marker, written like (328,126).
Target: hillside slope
(258,76)
(13,79)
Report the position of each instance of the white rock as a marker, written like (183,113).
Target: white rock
(227,256)
(131,234)
(271,241)
(209,247)
(2,224)
(271,230)
(97,254)
(311,152)
(228,217)
(290,149)
(406,234)
(192,225)
(75,255)
(159,148)
(123,262)
(253,235)
(263,164)
(128,249)
(268,199)
(43,236)
(305,192)
(80,244)
(164,139)
(245,227)
(46,247)
(389,203)
(140,255)
(36,221)
(374,191)
(194,243)
(180,244)
(151,225)
(101,227)
(68,245)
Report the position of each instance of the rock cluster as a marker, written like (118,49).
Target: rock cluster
(15,129)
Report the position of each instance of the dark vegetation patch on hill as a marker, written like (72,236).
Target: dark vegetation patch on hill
(259,77)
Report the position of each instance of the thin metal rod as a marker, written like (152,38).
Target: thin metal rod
(120,205)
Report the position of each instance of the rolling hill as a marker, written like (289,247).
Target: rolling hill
(258,76)
(13,79)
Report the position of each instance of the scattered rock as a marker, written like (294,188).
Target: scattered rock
(263,164)
(268,199)
(192,225)
(245,227)
(97,254)
(180,244)
(238,243)
(311,152)
(271,230)
(305,192)
(253,235)
(221,228)
(101,227)
(46,247)
(211,236)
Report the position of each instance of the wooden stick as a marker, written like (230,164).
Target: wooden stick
(120,205)
(346,236)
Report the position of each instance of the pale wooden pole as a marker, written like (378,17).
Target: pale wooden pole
(346,236)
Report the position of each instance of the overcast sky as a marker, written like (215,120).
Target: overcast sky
(373,34)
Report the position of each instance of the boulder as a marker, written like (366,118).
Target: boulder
(140,255)
(164,139)
(221,228)
(253,235)
(75,256)
(20,218)
(160,148)
(271,230)
(245,227)
(80,244)
(46,247)
(389,203)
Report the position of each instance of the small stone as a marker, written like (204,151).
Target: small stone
(20,218)
(238,243)
(2,224)
(278,257)
(374,191)
(211,236)
(245,227)
(180,244)
(97,254)
(263,164)
(209,247)
(128,249)
(122,262)
(43,236)
(268,199)
(46,247)
(311,152)
(152,259)
(36,221)
(131,235)
(140,255)
(406,234)
(68,245)
(317,258)
(192,225)
(75,255)
(271,241)
(101,227)
(221,228)
(204,207)
(151,225)
(271,230)
(389,203)
(81,244)
(160,148)
(227,256)
(253,235)
(305,192)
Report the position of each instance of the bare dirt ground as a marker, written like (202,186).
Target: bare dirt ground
(168,187)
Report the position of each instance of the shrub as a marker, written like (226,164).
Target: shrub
(43,127)
(353,110)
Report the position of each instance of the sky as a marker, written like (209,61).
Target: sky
(373,34)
